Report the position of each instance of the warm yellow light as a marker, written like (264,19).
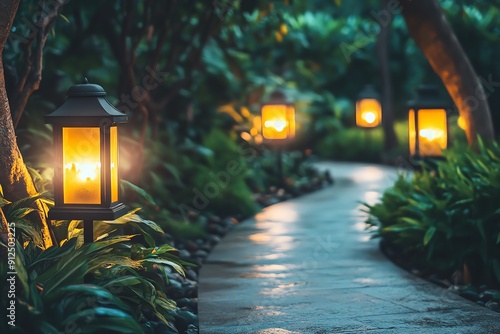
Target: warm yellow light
(114,162)
(278,124)
(369,117)
(246,136)
(82,167)
(86,171)
(368,113)
(290,116)
(432,132)
(462,124)
(278,121)
(283,29)
(257,122)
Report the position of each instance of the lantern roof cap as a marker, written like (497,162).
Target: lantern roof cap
(277,97)
(85,105)
(368,92)
(428,97)
(86,89)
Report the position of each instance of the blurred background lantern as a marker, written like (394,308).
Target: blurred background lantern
(368,108)
(278,127)
(278,118)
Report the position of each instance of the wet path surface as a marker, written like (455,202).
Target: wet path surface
(308,266)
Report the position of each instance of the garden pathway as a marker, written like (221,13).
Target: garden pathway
(308,266)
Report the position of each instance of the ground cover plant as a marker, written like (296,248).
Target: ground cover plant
(443,219)
(116,284)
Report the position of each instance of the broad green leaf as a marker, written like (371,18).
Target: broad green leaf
(173,264)
(139,191)
(103,319)
(124,281)
(47,328)
(53,253)
(3,201)
(429,234)
(173,170)
(64,18)
(412,221)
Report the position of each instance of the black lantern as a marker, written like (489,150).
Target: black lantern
(86,179)
(428,123)
(368,108)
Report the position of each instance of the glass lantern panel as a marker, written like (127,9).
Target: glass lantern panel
(290,115)
(411,131)
(274,122)
(114,163)
(432,132)
(368,113)
(81,165)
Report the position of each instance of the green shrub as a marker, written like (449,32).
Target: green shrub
(105,286)
(357,144)
(227,170)
(446,217)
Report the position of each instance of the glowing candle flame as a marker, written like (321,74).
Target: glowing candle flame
(85,171)
(431,134)
(278,125)
(369,117)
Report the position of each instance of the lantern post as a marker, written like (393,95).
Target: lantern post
(278,126)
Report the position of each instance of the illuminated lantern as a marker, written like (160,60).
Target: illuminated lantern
(278,118)
(428,123)
(86,180)
(368,108)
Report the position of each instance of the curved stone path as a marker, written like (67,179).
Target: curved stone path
(308,266)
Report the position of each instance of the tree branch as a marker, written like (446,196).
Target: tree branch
(32,73)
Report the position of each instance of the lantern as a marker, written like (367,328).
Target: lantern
(278,119)
(368,108)
(86,179)
(278,126)
(427,123)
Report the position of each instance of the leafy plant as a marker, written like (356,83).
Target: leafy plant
(113,285)
(445,217)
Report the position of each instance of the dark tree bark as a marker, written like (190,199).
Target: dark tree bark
(390,139)
(431,31)
(14,177)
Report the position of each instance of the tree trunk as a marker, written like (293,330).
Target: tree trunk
(390,139)
(14,177)
(431,31)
